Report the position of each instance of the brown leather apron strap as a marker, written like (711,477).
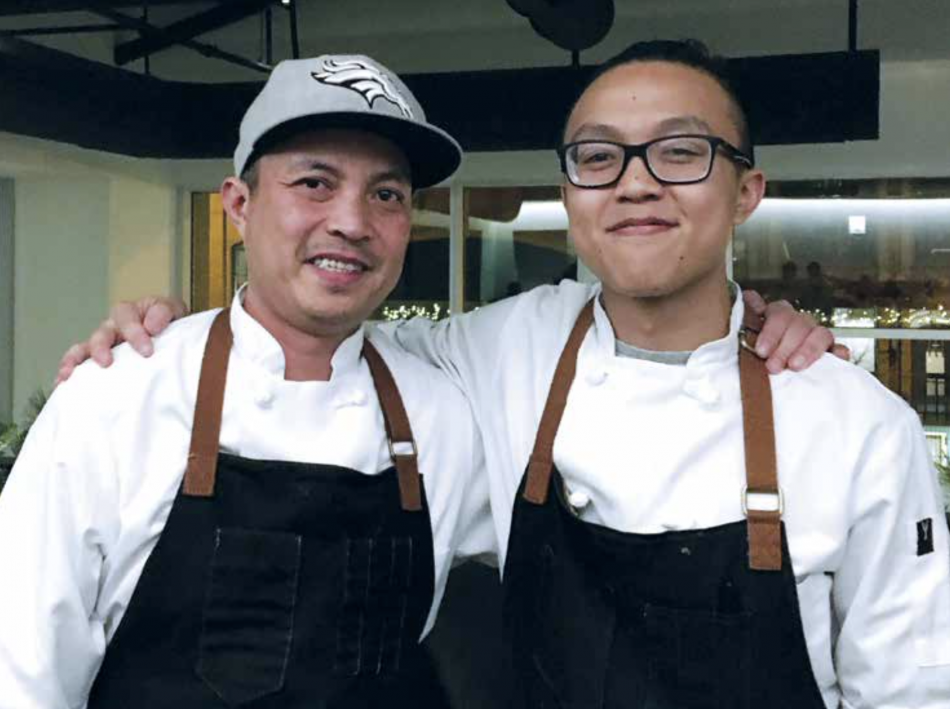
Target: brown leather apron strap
(206,429)
(402,445)
(542,457)
(762,499)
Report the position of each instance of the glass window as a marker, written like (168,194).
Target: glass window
(854,253)
(515,239)
(423,288)
(869,254)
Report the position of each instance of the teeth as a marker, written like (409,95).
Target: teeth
(340,266)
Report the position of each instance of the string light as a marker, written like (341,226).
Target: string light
(887,317)
(406,312)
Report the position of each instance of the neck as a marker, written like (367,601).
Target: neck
(677,322)
(307,356)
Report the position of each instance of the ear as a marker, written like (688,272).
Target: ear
(235,198)
(750,194)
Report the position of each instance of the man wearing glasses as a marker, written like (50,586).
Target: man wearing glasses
(674,542)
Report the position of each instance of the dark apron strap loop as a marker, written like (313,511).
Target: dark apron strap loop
(765,524)
(206,429)
(542,457)
(402,445)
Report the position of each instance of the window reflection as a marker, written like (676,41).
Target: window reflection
(515,239)
(423,287)
(878,257)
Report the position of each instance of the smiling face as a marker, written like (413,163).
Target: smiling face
(643,239)
(325,227)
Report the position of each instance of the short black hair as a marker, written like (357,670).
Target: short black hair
(691,53)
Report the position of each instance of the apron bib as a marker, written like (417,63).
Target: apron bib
(281,584)
(701,619)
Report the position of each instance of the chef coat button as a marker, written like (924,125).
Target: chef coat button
(578,499)
(264,398)
(703,391)
(352,398)
(596,377)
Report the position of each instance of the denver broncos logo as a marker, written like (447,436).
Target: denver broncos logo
(365,80)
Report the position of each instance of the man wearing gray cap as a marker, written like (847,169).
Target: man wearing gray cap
(302,564)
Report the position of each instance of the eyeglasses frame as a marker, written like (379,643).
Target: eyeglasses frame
(632,150)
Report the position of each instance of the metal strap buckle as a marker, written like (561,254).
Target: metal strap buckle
(403,449)
(744,334)
(762,501)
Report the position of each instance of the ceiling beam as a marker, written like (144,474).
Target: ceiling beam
(147,29)
(227,13)
(40,7)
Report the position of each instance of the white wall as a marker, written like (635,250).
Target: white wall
(89,229)
(61,272)
(143,238)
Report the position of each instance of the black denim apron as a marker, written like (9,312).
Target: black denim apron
(280,584)
(703,619)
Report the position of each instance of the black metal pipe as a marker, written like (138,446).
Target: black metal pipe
(206,50)
(268,36)
(294,38)
(148,57)
(221,15)
(852,25)
(64,29)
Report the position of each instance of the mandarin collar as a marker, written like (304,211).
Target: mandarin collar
(255,344)
(723,351)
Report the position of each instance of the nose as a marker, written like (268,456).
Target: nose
(349,218)
(636,183)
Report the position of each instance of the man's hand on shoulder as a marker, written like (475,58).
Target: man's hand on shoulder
(133,322)
(787,338)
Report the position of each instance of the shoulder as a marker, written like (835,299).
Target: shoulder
(539,312)
(112,389)
(843,389)
(439,413)
(566,299)
(849,419)
(413,375)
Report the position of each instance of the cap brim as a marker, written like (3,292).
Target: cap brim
(432,153)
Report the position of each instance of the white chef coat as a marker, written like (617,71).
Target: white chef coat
(648,447)
(95,481)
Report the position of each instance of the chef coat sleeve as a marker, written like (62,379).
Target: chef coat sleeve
(465,346)
(892,588)
(51,557)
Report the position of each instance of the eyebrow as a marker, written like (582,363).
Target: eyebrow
(694,123)
(306,164)
(594,131)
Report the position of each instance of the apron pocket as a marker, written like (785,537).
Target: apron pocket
(372,624)
(248,617)
(696,659)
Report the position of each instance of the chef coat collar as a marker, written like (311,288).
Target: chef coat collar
(256,344)
(722,351)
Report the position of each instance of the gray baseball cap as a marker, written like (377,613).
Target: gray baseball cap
(347,91)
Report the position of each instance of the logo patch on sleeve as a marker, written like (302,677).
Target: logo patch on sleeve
(925,536)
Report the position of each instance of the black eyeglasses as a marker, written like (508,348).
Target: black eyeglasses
(671,160)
